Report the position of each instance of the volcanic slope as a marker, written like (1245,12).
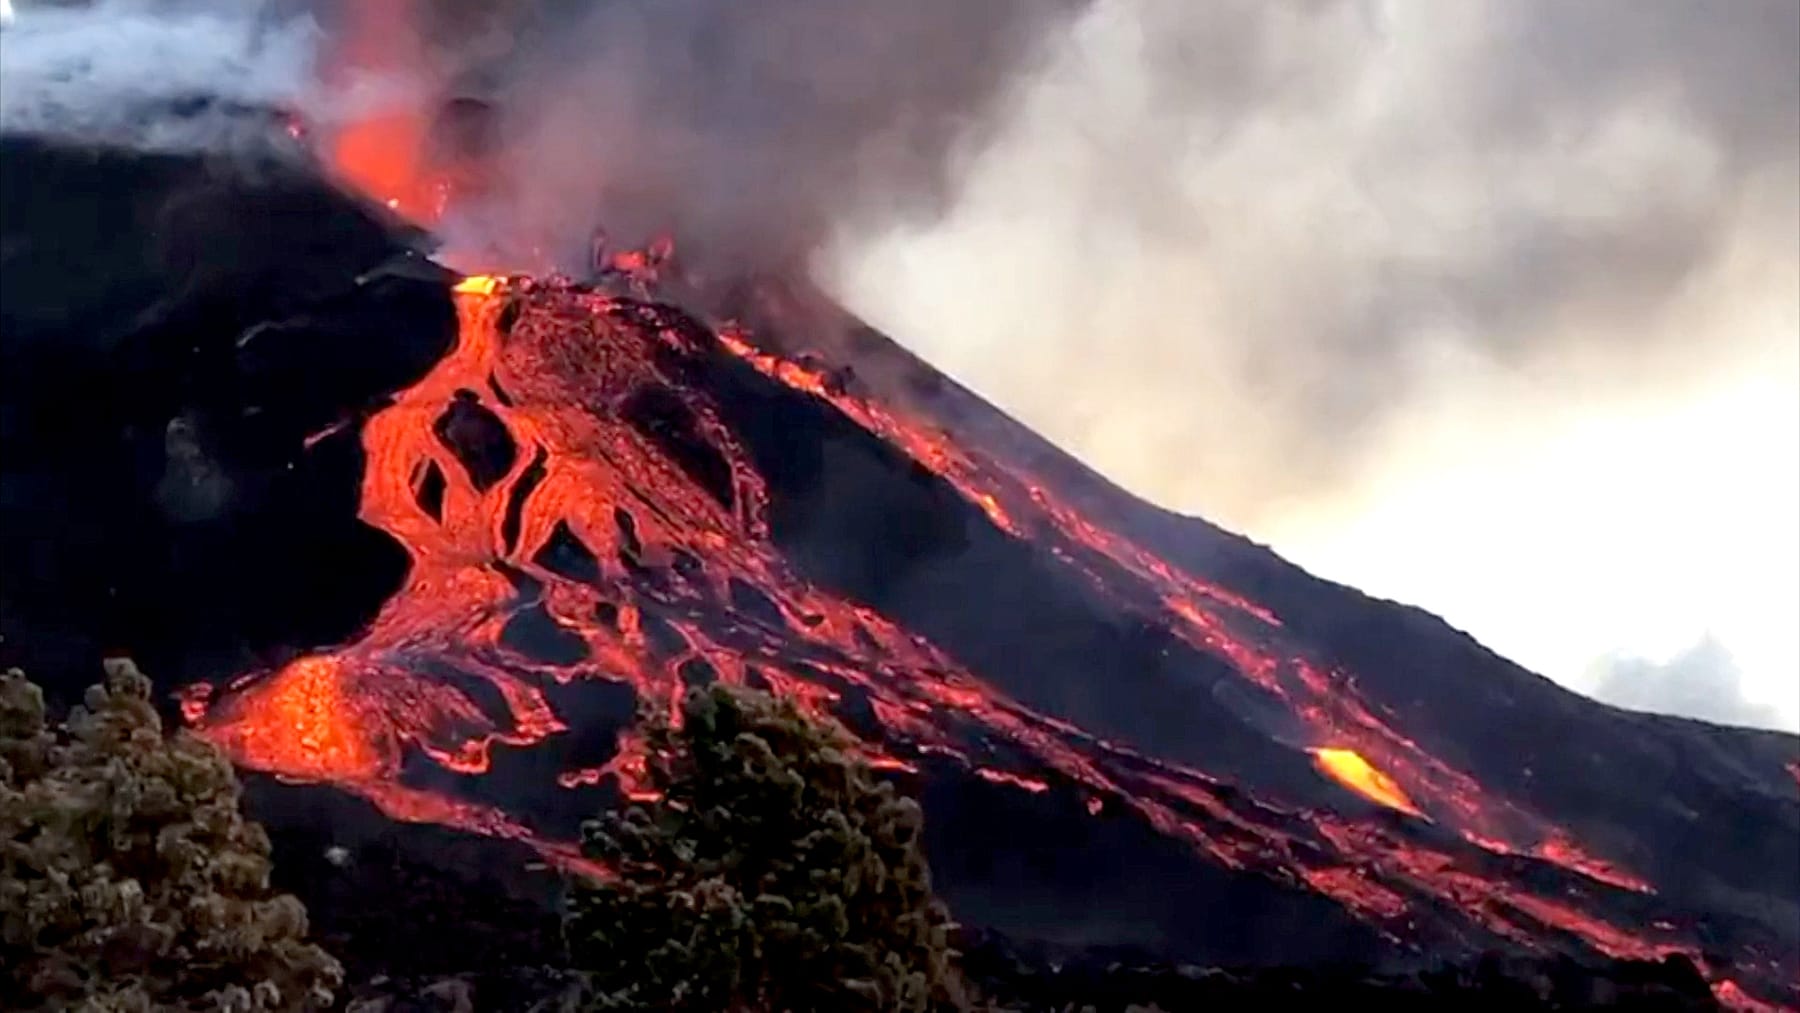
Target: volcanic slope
(596,490)
(1127,727)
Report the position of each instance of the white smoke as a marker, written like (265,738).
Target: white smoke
(1703,681)
(154,75)
(1492,307)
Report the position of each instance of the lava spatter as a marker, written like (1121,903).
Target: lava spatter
(602,524)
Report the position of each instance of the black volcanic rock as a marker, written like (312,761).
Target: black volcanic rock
(1102,983)
(477,439)
(179,339)
(1114,980)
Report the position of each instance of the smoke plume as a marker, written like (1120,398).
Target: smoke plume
(147,74)
(1703,681)
(750,127)
(1491,307)
(745,128)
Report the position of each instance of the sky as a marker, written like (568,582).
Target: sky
(1491,307)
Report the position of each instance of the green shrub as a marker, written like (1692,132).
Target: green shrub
(774,873)
(129,879)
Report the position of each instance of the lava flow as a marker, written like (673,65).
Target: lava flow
(1348,768)
(578,513)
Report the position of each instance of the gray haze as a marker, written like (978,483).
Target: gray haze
(1703,682)
(107,71)
(1492,306)
(1305,213)
(747,126)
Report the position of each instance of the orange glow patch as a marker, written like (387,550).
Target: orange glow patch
(382,152)
(302,722)
(479,284)
(1348,768)
(381,155)
(1734,998)
(1569,855)
(1030,784)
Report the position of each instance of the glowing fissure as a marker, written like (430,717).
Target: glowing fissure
(639,573)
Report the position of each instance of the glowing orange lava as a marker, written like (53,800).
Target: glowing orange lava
(303,723)
(1030,784)
(1733,997)
(1348,768)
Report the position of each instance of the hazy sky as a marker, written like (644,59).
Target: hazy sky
(1490,307)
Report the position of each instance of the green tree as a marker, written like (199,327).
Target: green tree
(776,873)
(129,879)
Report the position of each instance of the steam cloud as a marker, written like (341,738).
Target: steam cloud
(1487,306)
(148,74)
(1285,222)
(1704,682)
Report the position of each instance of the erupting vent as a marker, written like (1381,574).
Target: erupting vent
(579,515)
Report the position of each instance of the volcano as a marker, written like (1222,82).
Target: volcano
(412,546)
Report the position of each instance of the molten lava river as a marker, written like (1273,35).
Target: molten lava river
(561,537)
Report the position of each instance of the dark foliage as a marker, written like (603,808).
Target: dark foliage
(775,872)
(129,879)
